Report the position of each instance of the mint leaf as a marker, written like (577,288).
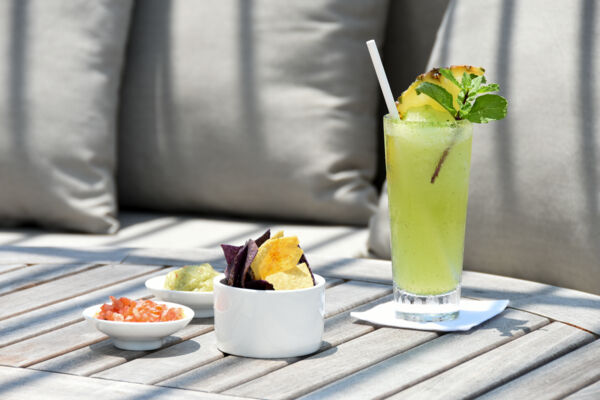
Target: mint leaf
(489,107)
(446,72)
(476,84)
(466,80)
(465,109)
(493,87)
(439,94)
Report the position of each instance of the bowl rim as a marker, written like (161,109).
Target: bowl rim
(183,292)
(320,281)
(89,313)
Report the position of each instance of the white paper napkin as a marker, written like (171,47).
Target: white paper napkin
(472,313)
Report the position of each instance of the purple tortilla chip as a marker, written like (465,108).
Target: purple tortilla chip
(259,284)
(247,273)
(229,252)
(305,261)
(238,266)
(265,236)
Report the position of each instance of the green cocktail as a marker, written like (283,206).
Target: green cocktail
(428,180)
(428,136)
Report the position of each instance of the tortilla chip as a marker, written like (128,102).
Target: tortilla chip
(259,285)
(276,255)
(265,236)
(246,272)
(298,277)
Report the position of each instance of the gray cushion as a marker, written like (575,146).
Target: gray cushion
(535,177)
(60,68)
(261,108)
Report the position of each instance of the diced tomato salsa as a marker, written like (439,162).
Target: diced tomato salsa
(127,310)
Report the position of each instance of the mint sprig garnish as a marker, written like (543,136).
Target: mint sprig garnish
(474,104)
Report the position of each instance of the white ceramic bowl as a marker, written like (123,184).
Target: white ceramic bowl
(200,302)
(269,323)
(138,335)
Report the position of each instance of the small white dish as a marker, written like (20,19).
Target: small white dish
(269,323)
(200,302)
(138,335)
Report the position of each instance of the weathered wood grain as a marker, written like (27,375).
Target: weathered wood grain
(591,392)
(321,369)
(486,286)
(168,362)
(500,365)
(565,305)
(556,379)
(38,274)
(351,294)
(176,257)
(71,286)
(431,358)
(66,312)
(362,269)
(233,371)
(36,349)
(90,358)
(10,267)
(61,255)
(81,334)
(19,384)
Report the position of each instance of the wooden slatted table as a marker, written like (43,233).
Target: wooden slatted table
(545,345)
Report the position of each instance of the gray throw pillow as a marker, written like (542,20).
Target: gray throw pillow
(60,69)
(535,176)
(263,108)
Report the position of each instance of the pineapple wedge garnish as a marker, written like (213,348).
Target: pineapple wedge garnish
(413,106)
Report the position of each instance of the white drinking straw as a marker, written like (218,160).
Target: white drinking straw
(383,82)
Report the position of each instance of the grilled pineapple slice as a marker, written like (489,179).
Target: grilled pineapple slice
(420,107)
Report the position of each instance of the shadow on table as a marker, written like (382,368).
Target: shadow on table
(543,295)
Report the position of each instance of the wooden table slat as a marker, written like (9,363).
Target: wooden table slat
(500,365)
(61,255)
(359,269)
(4,268)
(566,305)
(103,355)
(71,286)
(557,379)
(591,392)
(37,274)
(176,257)
(143,370)
(57,315)
(19,384)
(233,371)
(167,362)
(433,357)
(321,369)
(351,294)
(53,344)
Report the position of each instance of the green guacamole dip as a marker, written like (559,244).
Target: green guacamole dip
(191,278)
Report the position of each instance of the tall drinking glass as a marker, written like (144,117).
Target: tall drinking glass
(427,167)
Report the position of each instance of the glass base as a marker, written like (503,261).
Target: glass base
(426,308)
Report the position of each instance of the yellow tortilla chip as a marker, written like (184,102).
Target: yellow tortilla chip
(277,235)
(276,255)
(296,278)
